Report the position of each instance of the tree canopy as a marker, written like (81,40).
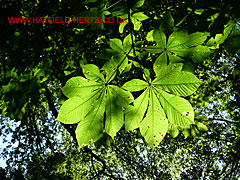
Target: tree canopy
(154,96)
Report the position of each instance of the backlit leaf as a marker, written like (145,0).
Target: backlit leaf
(154,126)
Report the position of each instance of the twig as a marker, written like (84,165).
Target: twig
(113,4)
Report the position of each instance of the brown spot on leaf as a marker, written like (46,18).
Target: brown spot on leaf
(79,84)
(148,126)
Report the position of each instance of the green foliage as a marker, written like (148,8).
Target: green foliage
(89,99)
(180,45)
(127,86)
(99,106)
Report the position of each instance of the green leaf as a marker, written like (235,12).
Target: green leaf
(220,38)
(79,86)
(110,68)
(76,108)
(136,20)
(117,99)
(195,39)
(92,72)
(201,118)
(135,85)
(168,69)
(188,67)
(89,1)
(160,38)
(136,23)
(124,97)
(179,111)
(121,27)
(123,65)
(116,44)
(174,58)
(146,75)
(136,64)
(128,67)
(160,63)
(232,44)
(114,115)
(180,45)
(177,38)
(134,114)
(138,4)
(173,130)
(149,36)
(179,83)
(168,19)
(140,16)
(194,132)
(186,132)
(127,43)
(199,11)
(199,53)
(201,126)
(90,129)
(154,126)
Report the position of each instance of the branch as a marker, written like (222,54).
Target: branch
(55,113)
(131,28)
(216,119)
(113,5)
(97,174)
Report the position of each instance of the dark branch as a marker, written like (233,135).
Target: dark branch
(224,120)
(55,113)
(131,29)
